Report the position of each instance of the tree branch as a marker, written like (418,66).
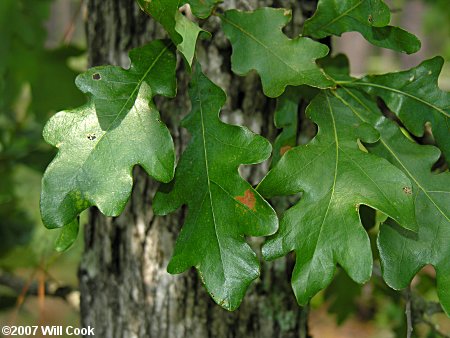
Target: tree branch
(52,289)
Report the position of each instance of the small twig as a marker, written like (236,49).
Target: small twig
(21,290)
(435,328)
(31,287)
(68,33)
(304,314)
(409,321)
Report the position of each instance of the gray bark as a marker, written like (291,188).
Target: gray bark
(125,289)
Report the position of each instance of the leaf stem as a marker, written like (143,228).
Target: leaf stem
(409,321)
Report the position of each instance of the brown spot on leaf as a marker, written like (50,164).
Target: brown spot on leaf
(248,199)
(407,190)
(96,76)
(284,149)
(370,19)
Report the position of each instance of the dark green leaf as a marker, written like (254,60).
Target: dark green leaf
(368,17)
(67,236)
(164,12)
(336,177)
(203,8)
(286,118)
(223,207)
(100,142)
(182,31)
(415,97)
(404,253)
(259,44)
(342,295)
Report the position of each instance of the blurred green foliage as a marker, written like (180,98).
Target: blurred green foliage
(35,82)
(437,26)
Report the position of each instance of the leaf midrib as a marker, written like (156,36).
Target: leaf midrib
(351,9)
(337,147)
(261,43)
(205,151)
(389,148)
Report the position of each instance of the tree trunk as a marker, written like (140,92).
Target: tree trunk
(125,289)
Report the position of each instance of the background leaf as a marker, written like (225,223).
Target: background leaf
(404,253)
(368,17)
(286,117)
(223,207)
(336,177)
(259,43)
(415,97)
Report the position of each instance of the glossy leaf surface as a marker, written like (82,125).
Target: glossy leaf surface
(324,228)
(100,142)
(415,97)
(222,207)
(67,236)
(368,17)
(404,253)
(259,44)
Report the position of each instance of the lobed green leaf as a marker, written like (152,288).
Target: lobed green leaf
(414,96)
(100,143)
(404,253)
(223,207)
(368,17)
(336,177)
(259,44)
(183,32)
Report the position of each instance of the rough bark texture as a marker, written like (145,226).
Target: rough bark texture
(125,289)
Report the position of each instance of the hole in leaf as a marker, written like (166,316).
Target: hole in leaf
(91,137)
(96,76)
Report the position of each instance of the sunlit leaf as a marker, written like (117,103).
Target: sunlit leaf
(100,142)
